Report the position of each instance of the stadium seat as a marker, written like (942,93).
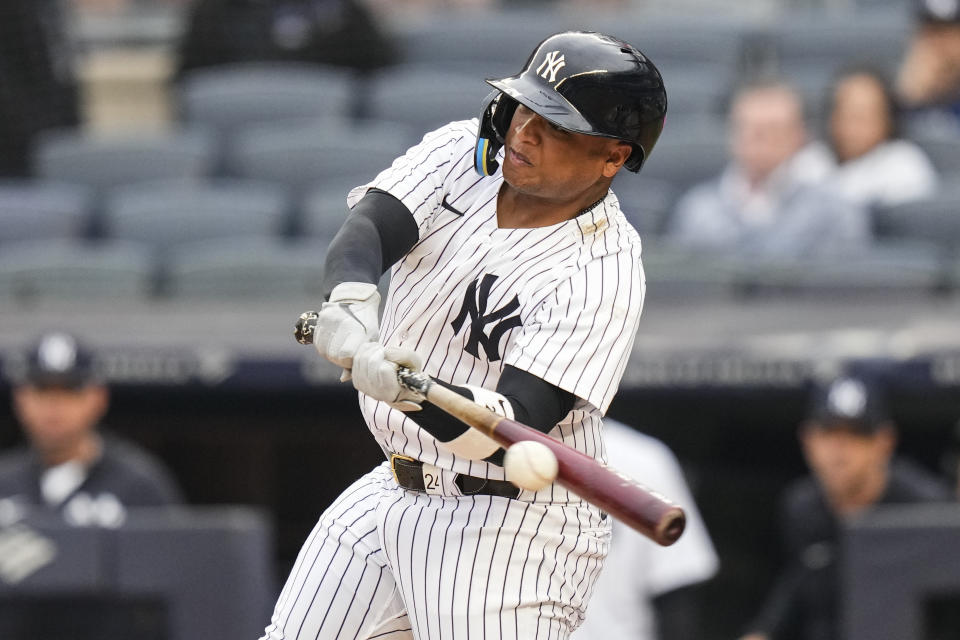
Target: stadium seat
(817,39)
(935,220)
(677,44)
(885,269)
(696,95)
(230,96)
(688,155)
(36,209)
(109,160)
(65,269)
(495,44)
(244,267)
(324,209)
(646,202)
(944,151)
(683,274)
(303,154)
(482,45)
(425,98)
(163,214)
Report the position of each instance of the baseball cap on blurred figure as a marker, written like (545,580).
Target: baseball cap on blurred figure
(57,359)
(947,11)
(849,402)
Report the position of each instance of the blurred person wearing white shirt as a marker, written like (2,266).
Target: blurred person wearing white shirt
(761,204)
(642,592)
(863,158)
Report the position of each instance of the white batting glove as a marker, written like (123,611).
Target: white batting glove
(375,374)
(347,321)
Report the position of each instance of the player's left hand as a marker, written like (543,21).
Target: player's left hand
(375,374)
(348,320)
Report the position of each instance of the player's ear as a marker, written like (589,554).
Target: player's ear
(617,154)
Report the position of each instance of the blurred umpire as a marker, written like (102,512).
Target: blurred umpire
(848,442)
(68,465)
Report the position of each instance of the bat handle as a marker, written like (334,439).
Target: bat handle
(416,381)
(303,330)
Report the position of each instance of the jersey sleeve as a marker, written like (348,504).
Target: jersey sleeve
(419,177)
(580,336)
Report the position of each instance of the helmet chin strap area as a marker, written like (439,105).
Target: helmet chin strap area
(498,109)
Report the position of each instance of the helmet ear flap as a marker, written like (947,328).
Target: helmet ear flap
(635,161)
(498,109)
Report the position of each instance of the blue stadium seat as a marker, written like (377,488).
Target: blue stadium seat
(820,40)
(478,45)
(935,220)
(244,267)
(166,213)
(688,155)
(65,269)
(303,154)
(230,96)
(324,209)
(36,209)
(901,269)
(110,160)
(425,98)
(944,152)
(683,274)
(646,202)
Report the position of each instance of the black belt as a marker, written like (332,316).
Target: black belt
(409,475)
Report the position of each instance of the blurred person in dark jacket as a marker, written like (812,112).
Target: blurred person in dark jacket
(69,465)
(342,33)
(37,87)
(848,442)
(929,76)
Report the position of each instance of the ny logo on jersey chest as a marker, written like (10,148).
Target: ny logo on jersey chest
(475,306)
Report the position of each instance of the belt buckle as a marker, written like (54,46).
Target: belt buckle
(393,469)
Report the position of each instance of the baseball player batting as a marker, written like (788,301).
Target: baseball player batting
(516,282)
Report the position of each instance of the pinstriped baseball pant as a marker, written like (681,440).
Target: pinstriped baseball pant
(391,564)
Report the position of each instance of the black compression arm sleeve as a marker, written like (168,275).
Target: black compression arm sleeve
(376,234)
(535,402)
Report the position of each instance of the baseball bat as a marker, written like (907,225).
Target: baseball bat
(627,500)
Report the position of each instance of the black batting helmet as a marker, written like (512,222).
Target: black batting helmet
(582,82)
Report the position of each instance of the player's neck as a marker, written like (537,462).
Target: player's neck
(518,210)
(84,450)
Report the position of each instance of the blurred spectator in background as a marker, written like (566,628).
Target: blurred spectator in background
(848,442)
(37,86)
(760,205)
(864,158)
(68,465)
(336,32)
(645,591)
(929,78)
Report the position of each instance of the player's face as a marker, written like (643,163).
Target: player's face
(846,462)
(545,161)
(860,119)
(56,419)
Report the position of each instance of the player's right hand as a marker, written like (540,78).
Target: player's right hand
(345,323)
(375,374)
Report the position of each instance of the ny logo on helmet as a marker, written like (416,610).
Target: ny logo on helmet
(550,65)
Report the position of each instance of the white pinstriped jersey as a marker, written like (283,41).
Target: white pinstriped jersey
(561,302)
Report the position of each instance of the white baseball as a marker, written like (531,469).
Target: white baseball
(530,465)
